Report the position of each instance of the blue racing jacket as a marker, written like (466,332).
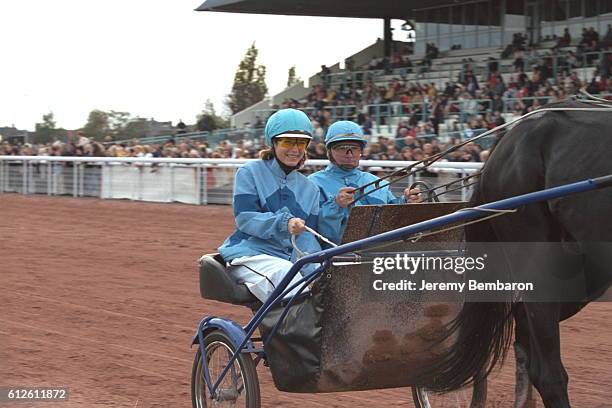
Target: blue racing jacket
(332,218)
(265,198)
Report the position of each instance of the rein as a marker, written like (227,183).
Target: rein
(432,193)
(422,165)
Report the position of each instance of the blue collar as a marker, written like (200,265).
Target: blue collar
(347,175)
(336,170)
(276,169)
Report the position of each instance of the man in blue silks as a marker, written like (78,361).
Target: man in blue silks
(345,142)
(272,201)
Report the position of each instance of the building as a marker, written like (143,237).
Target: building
(492,23)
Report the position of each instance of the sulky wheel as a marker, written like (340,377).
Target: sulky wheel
(240,386)
(463,398)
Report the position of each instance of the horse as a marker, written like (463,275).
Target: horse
(546,150)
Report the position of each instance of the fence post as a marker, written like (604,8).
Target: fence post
(82,179)
(140,182)
(204,181)
(31,182)
(171,168)
(24,182)
(234,171)
(7,184)
(52,176)
(75,177)
(7,180)
(198,174)
(49,180)
(110,180)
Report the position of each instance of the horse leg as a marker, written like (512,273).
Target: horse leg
(546,370)
(523,390)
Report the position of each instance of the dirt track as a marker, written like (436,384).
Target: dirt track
(102,297)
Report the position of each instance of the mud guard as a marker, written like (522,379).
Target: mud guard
(233,330)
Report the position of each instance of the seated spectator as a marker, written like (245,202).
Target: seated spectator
(605,67)
(406,154)
(607,40)
(392,153)
(564,41)
(367,126)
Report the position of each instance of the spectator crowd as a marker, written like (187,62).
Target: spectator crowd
(404,147)
(540,76)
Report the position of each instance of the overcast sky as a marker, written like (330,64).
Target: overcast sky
(153,58)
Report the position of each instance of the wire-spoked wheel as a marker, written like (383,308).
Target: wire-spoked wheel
(240,386)
(474,397)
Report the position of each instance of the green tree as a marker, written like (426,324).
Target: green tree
(97,125)
(135,128)
(45,131)
(249,82)
(208,120)
(292,79)
(118,122)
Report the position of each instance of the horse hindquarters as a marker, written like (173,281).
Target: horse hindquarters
(587,231)
(517,167)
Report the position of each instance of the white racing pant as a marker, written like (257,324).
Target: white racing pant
(262,273)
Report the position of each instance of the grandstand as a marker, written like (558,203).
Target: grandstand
(469,36)
(466,66)
(474,65)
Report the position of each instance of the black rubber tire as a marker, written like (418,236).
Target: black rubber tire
(200,399)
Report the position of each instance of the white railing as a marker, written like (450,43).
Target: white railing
(192,181)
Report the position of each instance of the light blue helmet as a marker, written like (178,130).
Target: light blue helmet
(288,121)
(344,130)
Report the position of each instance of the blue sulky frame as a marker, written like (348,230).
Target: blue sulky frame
(241,337)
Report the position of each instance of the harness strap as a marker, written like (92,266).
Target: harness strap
(420,235)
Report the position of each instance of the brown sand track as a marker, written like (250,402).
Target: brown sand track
(102,297)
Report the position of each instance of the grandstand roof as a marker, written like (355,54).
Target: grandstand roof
(325,8)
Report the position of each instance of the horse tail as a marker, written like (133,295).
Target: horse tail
(481,333)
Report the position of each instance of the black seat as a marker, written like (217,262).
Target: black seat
(216,283)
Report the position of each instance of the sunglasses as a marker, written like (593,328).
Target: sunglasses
(289,142)
(345,148)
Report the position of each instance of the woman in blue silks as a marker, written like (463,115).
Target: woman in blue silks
(272,201)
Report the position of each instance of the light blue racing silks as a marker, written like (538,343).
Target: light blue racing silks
(265,198)
(332,218)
